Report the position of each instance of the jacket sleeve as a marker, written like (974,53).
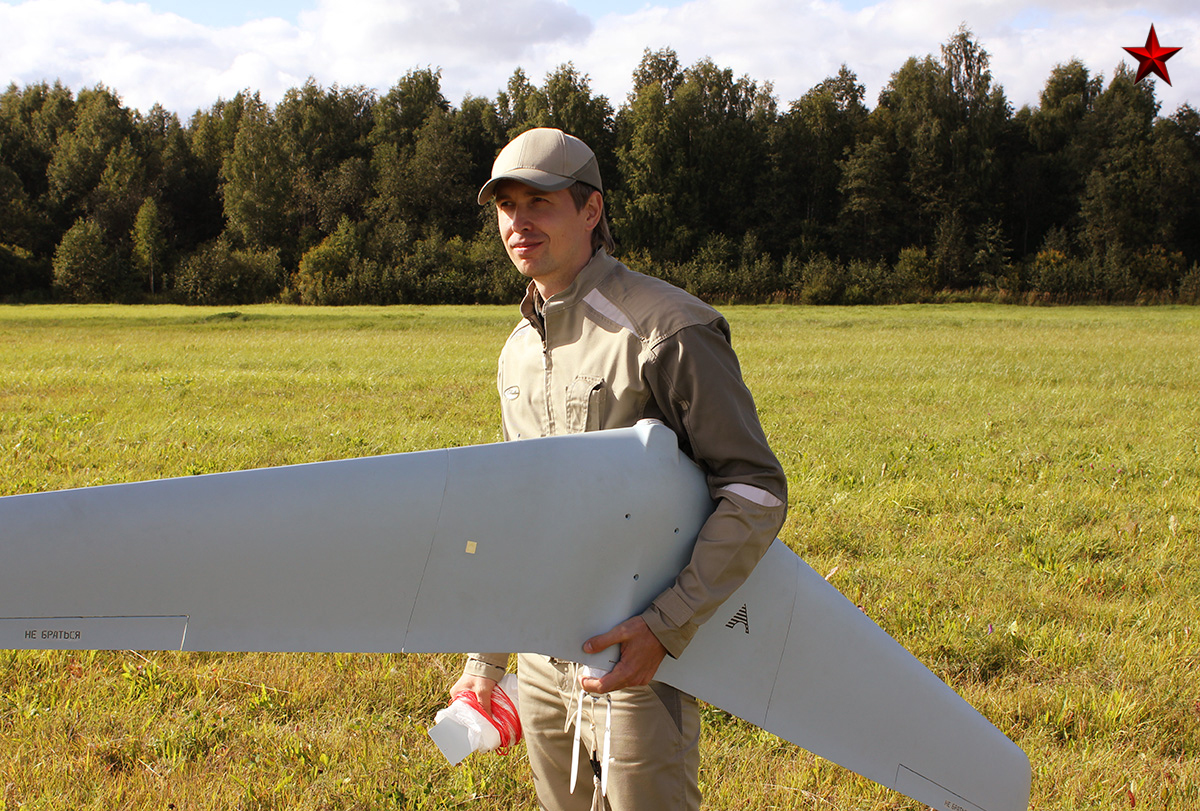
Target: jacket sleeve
(698,387)
(491,665)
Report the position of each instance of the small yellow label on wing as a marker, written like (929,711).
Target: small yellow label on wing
(471,547)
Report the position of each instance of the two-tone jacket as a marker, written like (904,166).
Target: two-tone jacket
(618,346)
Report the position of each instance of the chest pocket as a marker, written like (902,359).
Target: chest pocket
(586,399)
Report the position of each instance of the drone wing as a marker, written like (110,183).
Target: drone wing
(533,545)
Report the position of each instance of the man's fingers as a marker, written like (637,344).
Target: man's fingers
(641,654)
(616,636)
(605,684)
(481,686)
(599,643)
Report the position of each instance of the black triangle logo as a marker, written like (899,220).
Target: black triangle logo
(740,618)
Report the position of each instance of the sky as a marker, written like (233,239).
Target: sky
(186,55)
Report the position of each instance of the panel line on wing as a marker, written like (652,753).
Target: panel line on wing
(920,787)
(787,634)
(412,611)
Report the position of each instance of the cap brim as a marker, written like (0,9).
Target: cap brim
(542,181)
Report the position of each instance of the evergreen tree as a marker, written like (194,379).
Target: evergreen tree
(324,136)
(84,152)
(197,209)
(122,187)
(1090,194)
(571,107)
(1140,191)
(652,208)
(400,113)
(1057,156)
(477,128)
(520,106)
(257,183)
(1177,147)
(149,244)
(948,122)
(86,269)
(808,146)
(873,205)
(186,193)
(31,121)
(21,223)
(710,132)
(1120,201)
(423,173)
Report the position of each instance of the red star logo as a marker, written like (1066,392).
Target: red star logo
(1152,58)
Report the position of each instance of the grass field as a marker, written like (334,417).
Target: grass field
(1012,493)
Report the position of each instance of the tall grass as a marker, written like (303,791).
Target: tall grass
(1012,493)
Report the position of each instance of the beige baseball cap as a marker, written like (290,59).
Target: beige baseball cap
(545,158)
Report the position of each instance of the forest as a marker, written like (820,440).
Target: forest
(342,195)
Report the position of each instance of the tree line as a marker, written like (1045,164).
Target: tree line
(342,196)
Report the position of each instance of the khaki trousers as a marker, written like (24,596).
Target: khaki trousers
(655,736)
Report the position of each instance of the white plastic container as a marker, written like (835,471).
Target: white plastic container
(460,729)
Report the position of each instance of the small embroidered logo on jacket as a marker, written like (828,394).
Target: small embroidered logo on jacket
(740,618)
(512,393)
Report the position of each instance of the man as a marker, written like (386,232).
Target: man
(600,346)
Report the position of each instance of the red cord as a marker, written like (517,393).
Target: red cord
(503,717)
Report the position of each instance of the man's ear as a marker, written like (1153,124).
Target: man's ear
(593,208)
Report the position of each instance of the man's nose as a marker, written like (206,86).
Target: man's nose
(520,219)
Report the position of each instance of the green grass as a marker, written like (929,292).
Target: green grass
(1013,493)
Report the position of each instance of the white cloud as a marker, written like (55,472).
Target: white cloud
(145,56)
(476,43)
(148,56)
(796,45)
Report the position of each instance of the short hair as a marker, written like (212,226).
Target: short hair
(601,235)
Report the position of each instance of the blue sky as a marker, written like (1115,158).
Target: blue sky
(186,55)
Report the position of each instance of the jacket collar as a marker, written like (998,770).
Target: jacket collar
(533,306)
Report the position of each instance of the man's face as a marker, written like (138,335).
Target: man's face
(546,237)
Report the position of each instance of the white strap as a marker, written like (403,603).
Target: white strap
(601,784)
(606,756)
(575,746)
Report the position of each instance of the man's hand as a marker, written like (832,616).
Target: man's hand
(481,686)
(641,654)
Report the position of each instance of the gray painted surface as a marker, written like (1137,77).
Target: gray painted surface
(533,546)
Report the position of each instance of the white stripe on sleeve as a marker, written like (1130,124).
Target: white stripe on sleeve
(757,495)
